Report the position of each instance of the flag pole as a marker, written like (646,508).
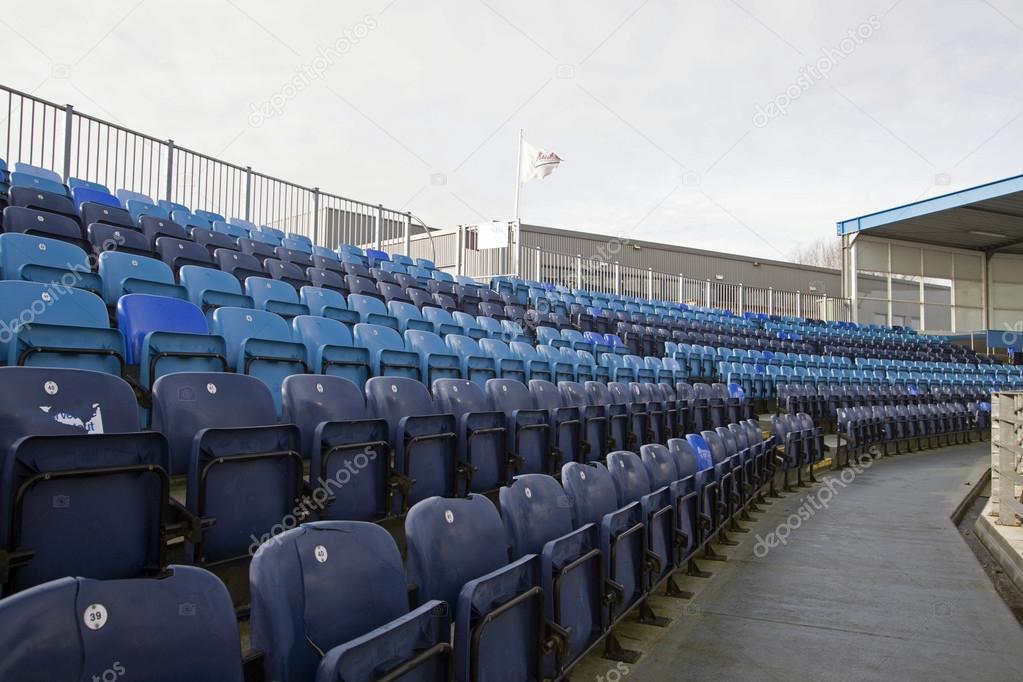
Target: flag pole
(518,178)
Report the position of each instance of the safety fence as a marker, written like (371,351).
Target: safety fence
(78,145)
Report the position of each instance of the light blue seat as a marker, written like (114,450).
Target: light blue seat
(328,303)
(562,367)
(468,323)
(442,320)
(137,209)
(476,364)
(537,367)
(124,273)
(38,183)
(209,289)
(408,316)
(330,348)
(387,353)
(372,311)
(436,361)
(40,327)
(274,296)
(259,344)
(37,172)
(509,365)
(47,261)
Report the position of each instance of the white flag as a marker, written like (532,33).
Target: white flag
(536,163)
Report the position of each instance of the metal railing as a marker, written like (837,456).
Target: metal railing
(1007,458)
(74,144)
(576,272)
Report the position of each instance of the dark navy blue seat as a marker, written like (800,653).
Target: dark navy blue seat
(424,440)
(103,237)
(241,265)
(348,449)
(528,430)
(82,491)
(180,626)
(329,603)
(179,252)
(482,438)
(458,554)
(244,469)
(593,424)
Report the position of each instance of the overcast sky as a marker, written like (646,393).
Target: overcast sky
(744,126)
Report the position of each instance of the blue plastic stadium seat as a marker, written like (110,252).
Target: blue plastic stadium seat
(48,261)
(28,180)
(436,361)
(43,327)
(212,241)
(372,310)
(593,422)
(481,432)
(38,172)
(328,303)
(536,366)
(74,183)
(274,296)
(346,446)
(561,360)
(104,237)
(564,421)
(155,227)
(528,427)
(47,203)
(259,344)
(476,365)
(209,289)
(468,323)
(87,499)
(241,265)
(591,489)
(508,365)
(483,589)
(180,626)
(95,212)
(190,221)
(537,518)
(244,469)
(230,229)
(329,603)
(166,335)
(288,272)
(442,320)
(177,253)
(124,273)
(330,349)
(408,316)
(387,353)
(137,209)
(424,441)
(19,219)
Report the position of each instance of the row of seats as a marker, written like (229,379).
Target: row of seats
(528,590)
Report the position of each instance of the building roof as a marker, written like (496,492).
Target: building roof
(984,218)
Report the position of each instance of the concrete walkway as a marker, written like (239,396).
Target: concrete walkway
(875,585)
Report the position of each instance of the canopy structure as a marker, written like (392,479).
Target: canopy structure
(949,264)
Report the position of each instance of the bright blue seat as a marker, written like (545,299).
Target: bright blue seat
(259,344)
(47,261)
(244,469)
(480,587)
(166,335)
(178,626)
(372,310)
(476,365)
(537,518)
(508,365)
(274,296)
(329,603)
(481,432)
(375,256)
(528,427)
(93,457)
(209,289)
(330,349)
(423,440)
(347,448)
(125,273)
(41,327)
